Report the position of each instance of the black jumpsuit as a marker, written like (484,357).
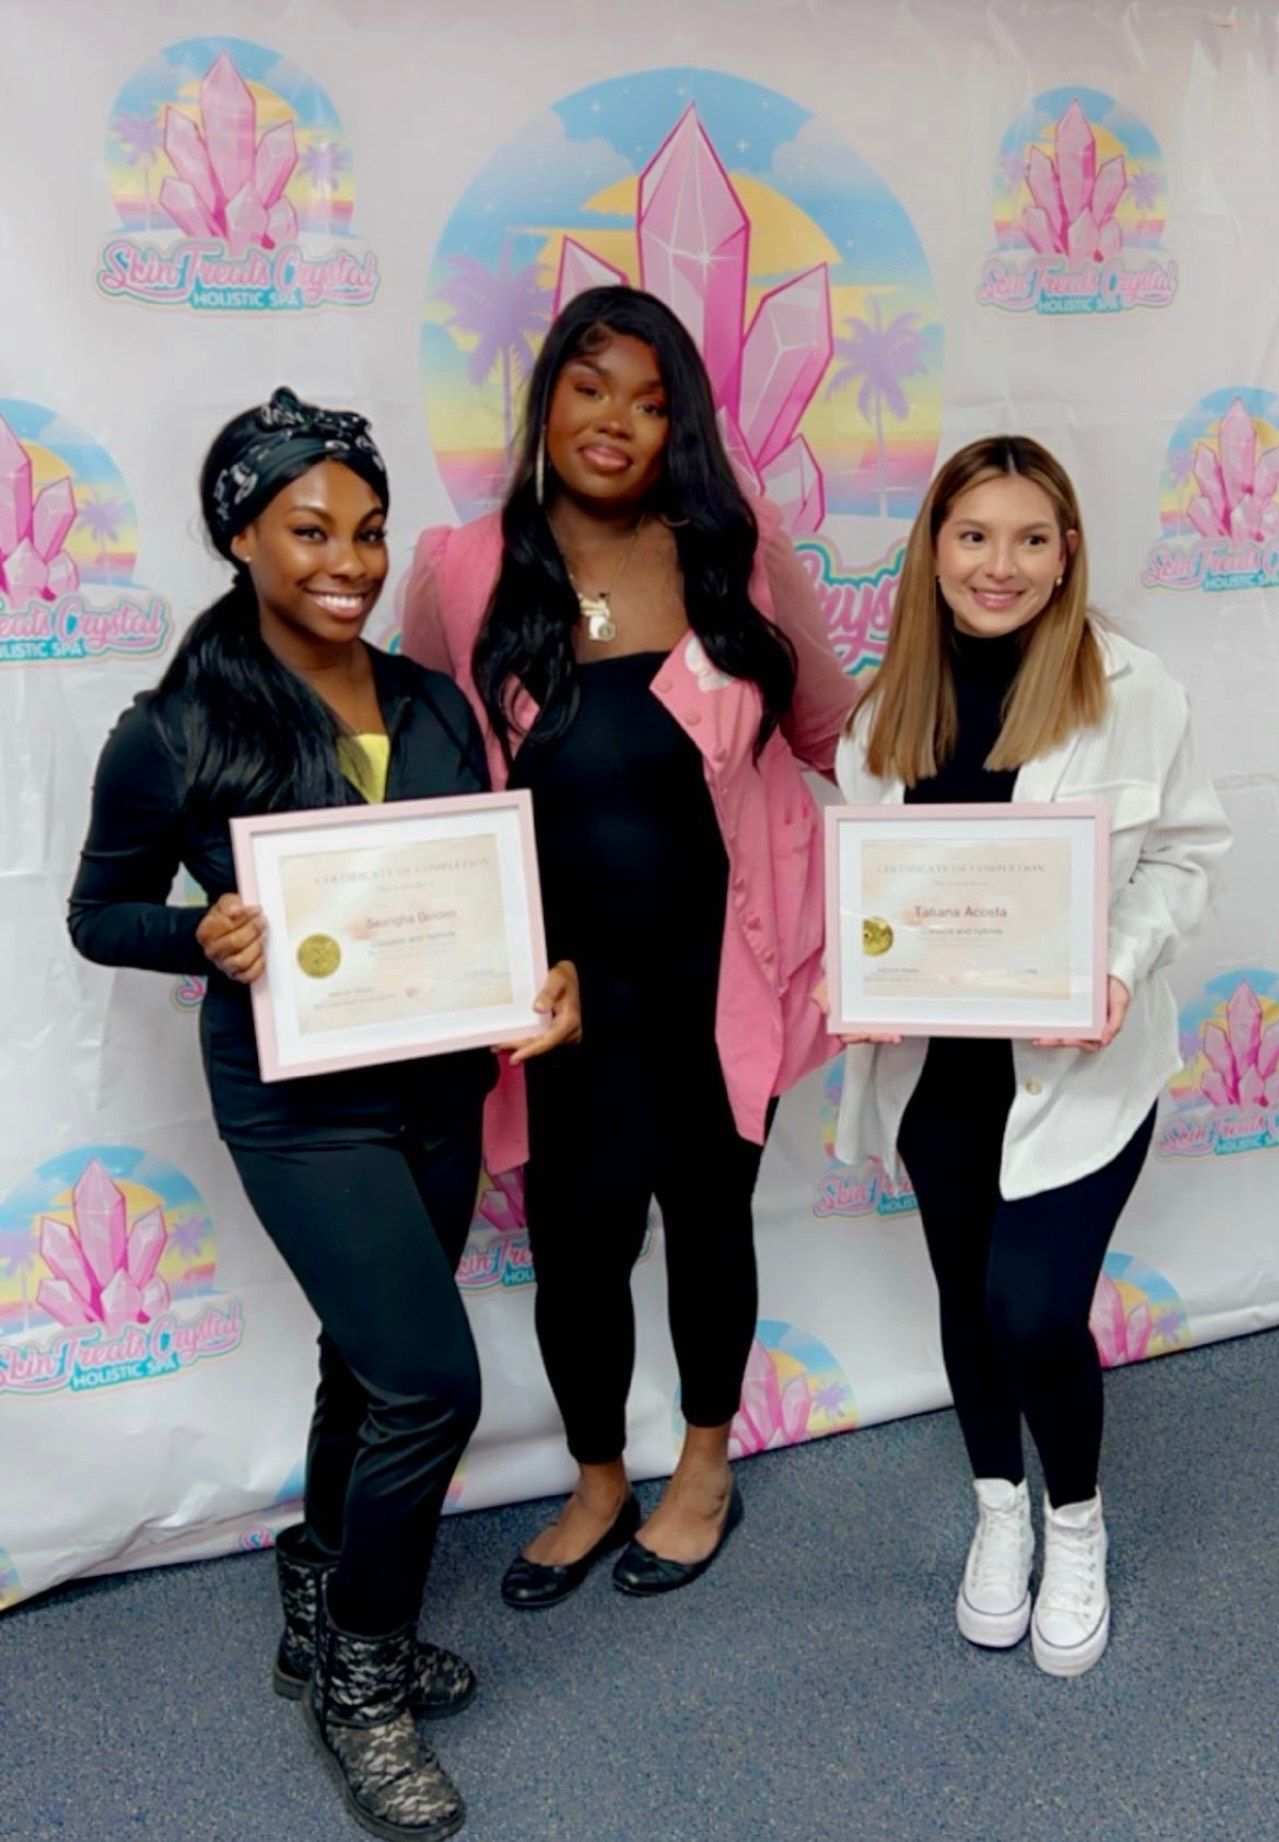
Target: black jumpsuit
(364,1180)
(634,885)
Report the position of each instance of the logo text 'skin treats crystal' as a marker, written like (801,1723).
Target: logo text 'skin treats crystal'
(233,182)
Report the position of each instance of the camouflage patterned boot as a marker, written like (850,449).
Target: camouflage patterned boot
(442,1683)
(357,1708)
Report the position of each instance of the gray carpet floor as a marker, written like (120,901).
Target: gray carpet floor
(812,1687)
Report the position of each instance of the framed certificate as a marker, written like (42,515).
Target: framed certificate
(393,931)
(974,920)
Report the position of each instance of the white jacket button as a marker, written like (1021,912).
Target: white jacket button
(1034,1087)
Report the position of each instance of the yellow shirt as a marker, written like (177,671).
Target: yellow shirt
(365,760)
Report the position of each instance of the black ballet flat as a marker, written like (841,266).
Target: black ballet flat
(644,1574)
(530,1586)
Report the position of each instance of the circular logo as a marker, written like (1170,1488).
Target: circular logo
(319,956)
(226,163)
(1219,496)
(1136,1313)
(220,137)
(877,936)
(1080,203)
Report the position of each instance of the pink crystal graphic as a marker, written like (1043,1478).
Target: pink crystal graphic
(694,246)
(1237,483)
(784,358)
(229,183)
(580,270)
(1120,1335)
(1242,1054)
(1075,200)
(694,253)
(502,1204)
(103,1271)
(34,566)
(770,1415)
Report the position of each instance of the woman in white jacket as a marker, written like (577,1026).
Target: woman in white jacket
(998,684)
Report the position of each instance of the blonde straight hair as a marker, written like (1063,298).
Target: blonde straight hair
(1061,682)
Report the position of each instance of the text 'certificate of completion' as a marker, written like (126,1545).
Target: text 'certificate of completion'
(397,930)
(967,920)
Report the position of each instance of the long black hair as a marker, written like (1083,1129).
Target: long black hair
(527,636)
(253,735)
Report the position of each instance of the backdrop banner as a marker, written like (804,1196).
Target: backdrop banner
(890,230)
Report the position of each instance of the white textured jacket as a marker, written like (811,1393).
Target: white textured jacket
(1071,1111)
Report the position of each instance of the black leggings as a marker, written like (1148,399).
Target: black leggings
(1016,1279)
(372,1233)
(610,1127)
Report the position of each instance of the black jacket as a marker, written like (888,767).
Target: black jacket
(119,914)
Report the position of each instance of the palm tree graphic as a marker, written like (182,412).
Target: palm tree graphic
(21,1265)
(1183,482)
(102,519)
(140,138)
(503,309)
(881,356)
(189,1235)
(324,162)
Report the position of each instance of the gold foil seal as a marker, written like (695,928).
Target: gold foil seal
(319,956)
(877,936)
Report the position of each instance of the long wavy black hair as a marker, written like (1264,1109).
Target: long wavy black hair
(526,639)
(253,735)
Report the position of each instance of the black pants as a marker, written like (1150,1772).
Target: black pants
(372,1233)
(1016,1279)
(628,1115)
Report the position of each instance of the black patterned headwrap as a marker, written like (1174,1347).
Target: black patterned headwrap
(261,451)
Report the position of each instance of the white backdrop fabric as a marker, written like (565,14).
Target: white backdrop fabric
(893,229)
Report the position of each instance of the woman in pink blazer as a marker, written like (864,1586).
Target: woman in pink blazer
(645,654)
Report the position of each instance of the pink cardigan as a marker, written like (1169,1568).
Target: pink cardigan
(767,1028)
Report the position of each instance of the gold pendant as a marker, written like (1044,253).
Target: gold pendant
(600,625)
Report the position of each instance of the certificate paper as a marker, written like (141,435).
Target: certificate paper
(393,931)
(967,920)
(396,934)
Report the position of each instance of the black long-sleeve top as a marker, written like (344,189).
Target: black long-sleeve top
(140,832)
(984,670)
(973,1074)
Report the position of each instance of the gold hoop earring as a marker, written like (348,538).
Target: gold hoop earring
(539,469)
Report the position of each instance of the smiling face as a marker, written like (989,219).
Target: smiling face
(1000,551)
(608,424)
(317,555)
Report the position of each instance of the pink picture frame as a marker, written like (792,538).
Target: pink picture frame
(853,937)
(370,847)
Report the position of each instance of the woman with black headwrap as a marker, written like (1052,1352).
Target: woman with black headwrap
(365,1180)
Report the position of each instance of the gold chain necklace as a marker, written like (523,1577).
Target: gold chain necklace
(596,610)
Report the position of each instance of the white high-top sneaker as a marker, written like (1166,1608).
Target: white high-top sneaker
(993,1607)
(1072,1613)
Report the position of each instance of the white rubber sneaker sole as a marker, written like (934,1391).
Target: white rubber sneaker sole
(1071,1659)
(992,1630)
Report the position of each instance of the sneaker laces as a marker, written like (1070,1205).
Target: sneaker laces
(998,1549)
(1071,1570)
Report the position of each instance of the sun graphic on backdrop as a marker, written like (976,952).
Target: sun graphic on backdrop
(783,237)
(46,466)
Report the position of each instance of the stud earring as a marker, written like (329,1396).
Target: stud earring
(539,469)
